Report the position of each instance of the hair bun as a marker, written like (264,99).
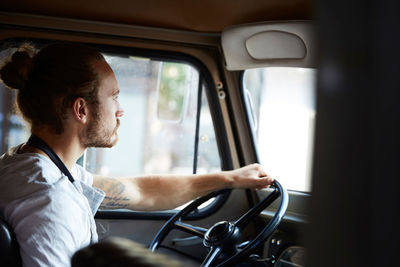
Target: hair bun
(15,74)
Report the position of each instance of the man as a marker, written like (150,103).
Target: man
(69,95)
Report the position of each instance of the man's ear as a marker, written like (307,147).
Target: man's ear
(80,110)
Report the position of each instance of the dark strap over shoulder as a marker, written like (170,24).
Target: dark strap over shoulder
(40,144)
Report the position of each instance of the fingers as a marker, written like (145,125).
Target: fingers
(252,176)
(264,179)
(261,172)
(264,182)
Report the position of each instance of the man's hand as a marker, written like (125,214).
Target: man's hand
(251,176)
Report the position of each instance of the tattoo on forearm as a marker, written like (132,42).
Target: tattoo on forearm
(114,198)
(115,188)
(114,203)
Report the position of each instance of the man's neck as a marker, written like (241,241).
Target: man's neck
(66,146)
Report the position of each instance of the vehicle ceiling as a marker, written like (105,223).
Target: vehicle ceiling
(194,15)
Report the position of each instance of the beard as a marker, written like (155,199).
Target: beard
(98,135)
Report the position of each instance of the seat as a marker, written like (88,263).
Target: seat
(9,249)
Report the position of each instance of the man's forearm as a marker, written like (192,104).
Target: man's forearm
(157,192)
(161,192)
(168,192)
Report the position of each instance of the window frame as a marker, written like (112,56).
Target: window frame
(248,113)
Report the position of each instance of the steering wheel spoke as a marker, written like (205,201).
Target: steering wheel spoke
(246,218)
(242,245)
(193,230)
(212,256)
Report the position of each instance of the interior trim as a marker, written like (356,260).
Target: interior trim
(86,26)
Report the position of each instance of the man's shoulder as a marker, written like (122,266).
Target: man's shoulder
(24,174)
(26,165)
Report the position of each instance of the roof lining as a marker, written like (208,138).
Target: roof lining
(198,16)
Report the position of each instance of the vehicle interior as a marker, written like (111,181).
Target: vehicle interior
(306,88)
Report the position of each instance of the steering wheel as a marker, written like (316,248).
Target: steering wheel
(223,237)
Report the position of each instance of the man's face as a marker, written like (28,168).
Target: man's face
(101,130)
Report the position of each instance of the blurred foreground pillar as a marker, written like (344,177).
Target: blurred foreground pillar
(357,153)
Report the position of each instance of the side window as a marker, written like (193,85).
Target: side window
(158,130)
(281,102)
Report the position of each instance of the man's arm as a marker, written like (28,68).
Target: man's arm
(170,191)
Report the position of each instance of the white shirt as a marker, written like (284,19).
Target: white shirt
(51,217)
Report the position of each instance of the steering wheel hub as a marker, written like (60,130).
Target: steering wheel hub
(218,233)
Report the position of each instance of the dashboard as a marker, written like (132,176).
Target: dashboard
(293,256)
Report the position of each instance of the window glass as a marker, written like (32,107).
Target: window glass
(282,113)
(158,129)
